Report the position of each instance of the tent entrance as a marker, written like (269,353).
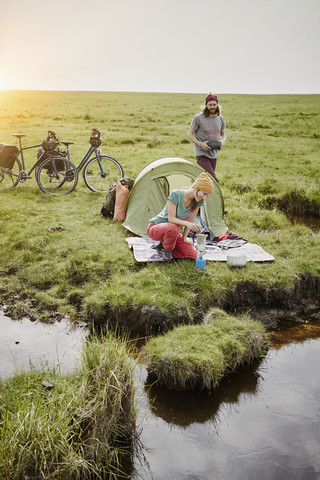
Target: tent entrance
(174,181)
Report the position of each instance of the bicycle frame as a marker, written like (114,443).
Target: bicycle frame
(54,173)
(86,158)
(22,157)
(99,171)
(37,162)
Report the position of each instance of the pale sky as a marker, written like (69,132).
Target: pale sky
(230,46)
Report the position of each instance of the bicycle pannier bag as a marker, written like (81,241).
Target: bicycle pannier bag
(59,156)
(7,155)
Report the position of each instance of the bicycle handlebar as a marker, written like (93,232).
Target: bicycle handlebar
(52,136)
(49,146)
(95,138)
(51,142)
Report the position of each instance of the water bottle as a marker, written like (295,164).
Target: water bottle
(201,263)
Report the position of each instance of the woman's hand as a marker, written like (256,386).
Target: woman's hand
(193,226)
(187,240)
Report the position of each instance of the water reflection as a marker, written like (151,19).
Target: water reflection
(262,422)
(23,342)
(289,331)
(185,408)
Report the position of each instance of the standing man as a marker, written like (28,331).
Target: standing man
(208,127)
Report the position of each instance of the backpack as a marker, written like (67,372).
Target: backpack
(107,209)
(7,157)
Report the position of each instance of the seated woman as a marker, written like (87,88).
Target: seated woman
(180,211)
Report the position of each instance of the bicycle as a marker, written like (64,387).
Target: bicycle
(55,174)
(101,171)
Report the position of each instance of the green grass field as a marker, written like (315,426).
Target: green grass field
(270,164)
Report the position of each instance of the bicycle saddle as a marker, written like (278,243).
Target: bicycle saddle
(19,135)
(66,144)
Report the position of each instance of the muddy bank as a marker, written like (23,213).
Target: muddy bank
(264,304)
(293,203)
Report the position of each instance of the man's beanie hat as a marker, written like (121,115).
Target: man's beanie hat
(203,183)
(211,98)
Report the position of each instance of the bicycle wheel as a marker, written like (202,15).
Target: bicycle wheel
(9,174)
(101,182)
(57,176)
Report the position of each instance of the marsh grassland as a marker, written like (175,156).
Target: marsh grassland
(61,257)
(269,167)
(78,428)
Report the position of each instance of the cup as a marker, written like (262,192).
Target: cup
(201,243)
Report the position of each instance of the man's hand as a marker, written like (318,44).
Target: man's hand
(205,146)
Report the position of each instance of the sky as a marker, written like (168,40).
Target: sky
(187,46)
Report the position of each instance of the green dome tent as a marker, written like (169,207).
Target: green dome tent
(152,186)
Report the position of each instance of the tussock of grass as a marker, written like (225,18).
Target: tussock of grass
(198,356)
(154,142)
(71,430)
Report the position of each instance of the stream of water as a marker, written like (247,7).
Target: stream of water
(261,423)
(24,342)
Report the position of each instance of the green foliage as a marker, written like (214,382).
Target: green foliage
(71,430)
(198,356)
(86,265)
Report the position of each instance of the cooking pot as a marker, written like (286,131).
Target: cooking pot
(236,260)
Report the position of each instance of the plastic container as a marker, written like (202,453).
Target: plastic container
(201,263)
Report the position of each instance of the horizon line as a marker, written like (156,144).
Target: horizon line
(150,92)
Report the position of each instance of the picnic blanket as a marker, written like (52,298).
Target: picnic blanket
(143,252)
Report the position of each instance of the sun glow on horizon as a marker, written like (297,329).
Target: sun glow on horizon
(2,82)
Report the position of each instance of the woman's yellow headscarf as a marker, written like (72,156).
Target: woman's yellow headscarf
(204,183)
